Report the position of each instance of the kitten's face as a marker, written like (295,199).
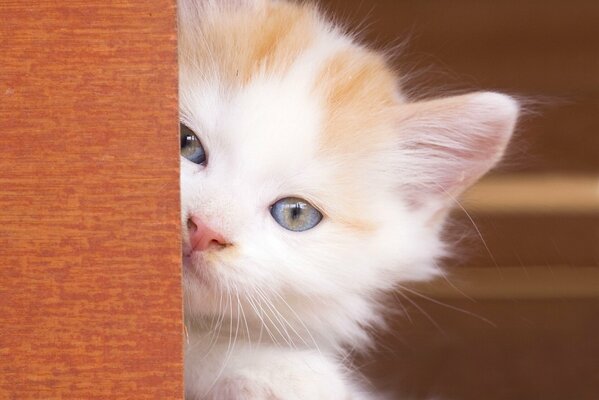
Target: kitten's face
(285,107)
(267,141)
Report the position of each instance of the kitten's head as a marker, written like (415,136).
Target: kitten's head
(310,176)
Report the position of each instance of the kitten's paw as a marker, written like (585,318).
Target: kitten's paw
(308,378)
(254,388)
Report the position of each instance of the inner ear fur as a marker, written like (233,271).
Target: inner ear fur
(447,144)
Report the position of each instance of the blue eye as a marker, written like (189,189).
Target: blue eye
(191,147)
(295,214)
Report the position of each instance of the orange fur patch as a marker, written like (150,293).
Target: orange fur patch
(242,43)
(361,97)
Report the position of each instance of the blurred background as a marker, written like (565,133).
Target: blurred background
(518,315)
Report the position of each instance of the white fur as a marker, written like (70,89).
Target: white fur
(273,316)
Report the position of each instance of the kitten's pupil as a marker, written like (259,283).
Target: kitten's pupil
(186,140)
(296,210)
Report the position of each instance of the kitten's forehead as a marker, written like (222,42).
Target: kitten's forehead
(238,43)
(273,123)
(281,65)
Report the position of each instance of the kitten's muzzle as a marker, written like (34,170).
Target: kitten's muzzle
(202,237)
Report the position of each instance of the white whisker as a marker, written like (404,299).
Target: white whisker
(240,308)
(299,319)
(427,315)
(285,336)
(259,311)
(448,305)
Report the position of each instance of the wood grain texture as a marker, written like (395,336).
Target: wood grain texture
(511,349)
(90,299)
(534,194)
(521,240)
(511,283)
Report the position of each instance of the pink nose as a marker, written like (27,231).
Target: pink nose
(201,236)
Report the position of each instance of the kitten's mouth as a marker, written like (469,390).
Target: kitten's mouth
(204,267)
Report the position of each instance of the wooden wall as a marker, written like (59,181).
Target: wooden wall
(90,299)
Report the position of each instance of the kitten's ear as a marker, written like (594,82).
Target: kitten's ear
(448,144)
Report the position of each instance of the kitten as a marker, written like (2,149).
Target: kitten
(310,186)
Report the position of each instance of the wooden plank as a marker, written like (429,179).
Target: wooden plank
(492,349)
(537,194)
(90,300)
(522,239)
(560,138)
(510,44)
(512,283)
